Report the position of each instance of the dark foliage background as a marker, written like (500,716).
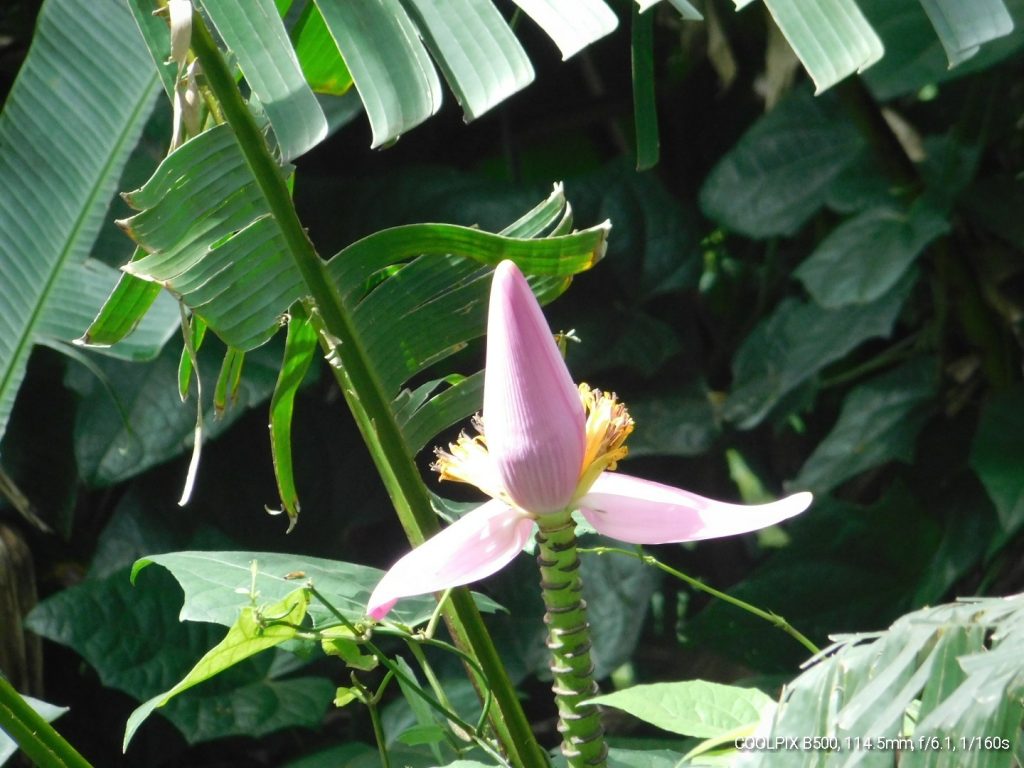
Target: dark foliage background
(826,296)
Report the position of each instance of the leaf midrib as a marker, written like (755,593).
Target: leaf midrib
(26,339)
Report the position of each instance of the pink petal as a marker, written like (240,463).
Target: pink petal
(533,417)
(643,512)
(473,547)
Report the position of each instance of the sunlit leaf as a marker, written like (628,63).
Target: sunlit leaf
(572,26)
(321,62)
(388,63)
(962,660)
(914,56)
(218,584)
(692,708)
(476,51)
(256,630)
(133,639)
(256,35)
(964,26)
(59,165)
(832,38)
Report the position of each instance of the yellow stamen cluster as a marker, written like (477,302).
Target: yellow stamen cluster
(467,461)
(608,426)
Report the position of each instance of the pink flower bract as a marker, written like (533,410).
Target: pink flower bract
(535,429)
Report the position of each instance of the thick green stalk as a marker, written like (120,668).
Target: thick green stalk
(565,614)
(36,737)
(367,400)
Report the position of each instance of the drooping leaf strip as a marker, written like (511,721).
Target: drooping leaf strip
(299,348)
(645,108)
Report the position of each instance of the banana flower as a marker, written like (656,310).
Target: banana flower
(543,446)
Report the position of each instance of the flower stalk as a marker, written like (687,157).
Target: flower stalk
(367,401)
(572,670)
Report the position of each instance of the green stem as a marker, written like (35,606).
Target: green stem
(772,618)
(565,614)
(428,672)
(898,352)
(378,728)
(367,400)
(393,669)
(36,737)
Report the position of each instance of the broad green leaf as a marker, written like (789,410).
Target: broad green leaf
(426,718)
(436,303)
(866,255)
(831,38)
(218,584)
(133,639)
(863,185)
(789,347)
(645,108)
(321,62)
(256,35)
(476,51)
(964,26)
(996,456)
(388,63)
(49,712)
(879,422)
(778,175)
(145,423)
(692,708)
(572,26)
(257,629)
(299,349)
(67,128)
